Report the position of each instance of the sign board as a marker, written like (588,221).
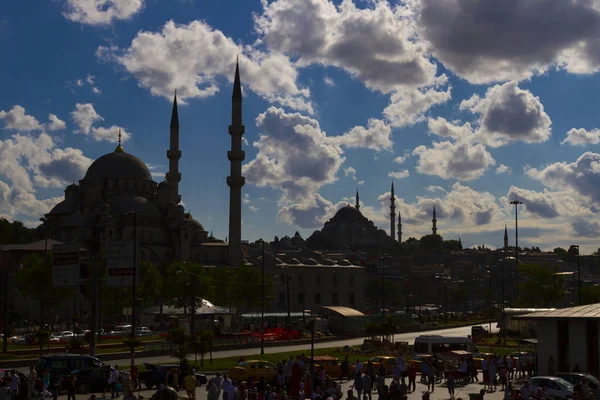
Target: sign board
(66,270)
(119,263)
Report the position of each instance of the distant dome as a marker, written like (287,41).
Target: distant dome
(344,263)
(348,214)
(72,187)
(64,207)
(118,165)
(76,221)
(193,225)
(133,203)
(311,261)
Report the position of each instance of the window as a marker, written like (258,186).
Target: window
(351,278)
(318,280)
(335,299)
(318,298)
(334,279)
(351,299)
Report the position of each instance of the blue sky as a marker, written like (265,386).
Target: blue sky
(465,105)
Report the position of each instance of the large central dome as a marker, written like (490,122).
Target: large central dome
(118,165)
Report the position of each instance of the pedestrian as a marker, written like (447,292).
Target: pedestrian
(45,382)
(431,371)
(113,380)
(367,385)
(71,387)
(486,375)
(510,362)
(358,385)
(403,367)
(130,395)
(450,383)
(396,372)
(503,379)
(14,386)
(492,373)
(412,379)
(55,387)
(345,373)
(189,383)
(31,378)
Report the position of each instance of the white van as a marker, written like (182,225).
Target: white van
(429,344)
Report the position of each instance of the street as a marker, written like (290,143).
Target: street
(401,337)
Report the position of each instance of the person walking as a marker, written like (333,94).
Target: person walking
(451,383)
(189,383)
(431,371)
(367,385)
(31,378)
(71,387)
(412,379)
(358,385)
(492,373)
(45,382)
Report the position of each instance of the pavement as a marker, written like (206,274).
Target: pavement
(440,392)
(400,337)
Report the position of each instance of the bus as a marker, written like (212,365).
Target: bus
(429,344)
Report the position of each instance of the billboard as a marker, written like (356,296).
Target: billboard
(66,269)
(119,263)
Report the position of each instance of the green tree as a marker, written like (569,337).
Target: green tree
(247,285)
(180,339)
(183,281)
(34,280)
(540,285)
(432,242)
(150,286)
(202,343)
(590,294)
(412,240)
(223,282)
(14,232)
(376,286)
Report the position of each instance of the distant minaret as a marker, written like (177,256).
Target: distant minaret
(174,154)
(460,243)
(505,240)
(357,205)
(399,226)
(434,221)
(393,213)
(235,180)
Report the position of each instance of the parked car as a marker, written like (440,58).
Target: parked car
(574,378)
(253,368)
(121,330)
(63,336)
(92,380)
(64,364)
(155,374)
(143,331)
(554,386)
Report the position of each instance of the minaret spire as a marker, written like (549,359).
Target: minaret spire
(173,177)
(357,204)
(399,227)
(119,148)
(235,180)
(434,222)
(393,213)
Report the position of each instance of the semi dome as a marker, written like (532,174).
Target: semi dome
(76,221)
(64,207)
(192,224)
(118,165)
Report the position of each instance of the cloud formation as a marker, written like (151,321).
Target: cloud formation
(101,12)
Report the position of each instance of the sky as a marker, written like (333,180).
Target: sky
(463,105)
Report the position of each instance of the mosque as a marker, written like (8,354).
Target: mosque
(118,194)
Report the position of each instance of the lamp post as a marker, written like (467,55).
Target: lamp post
(383,284)
(489,272)
(287,288)
(516,203)
(5,300)
(133,287)
(44,220)
(303,303)
(262,302)
(578,275)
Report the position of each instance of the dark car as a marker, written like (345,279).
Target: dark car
(576,377)
(155,374)
(91,380)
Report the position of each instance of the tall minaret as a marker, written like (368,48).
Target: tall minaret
(174,154)
(393,213)
(399,227)
(434,221)
(357,205)
(235,180)
(505,240)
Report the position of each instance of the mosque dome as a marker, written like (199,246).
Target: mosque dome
(118,165)
(76,221)
(192,224)
(348,214)
(133,203)
(64,207)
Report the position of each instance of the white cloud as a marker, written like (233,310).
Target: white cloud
(328,81)
(110,134)
(503,169)
(294,155)
(409,105)
(60,167)
(491,41)
(191,58)
(433,188)
(399,174)
(582,137)
(376,136)
(101,12)
(448,130)
(401,159)
(246,198)
(84,117)
(461,160)
(350,173)
(310,213)
(507,114)
(377,45)
(55,124)
(360,182)
(17,119)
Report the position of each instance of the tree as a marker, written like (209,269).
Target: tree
(412,240)
(180,339)
(185,280)
(540,286)
(14,232)
(35,280)
(150,286)
(223,282)
(202,343)
(432,242)
(376,286)
(590,294)
(247,286)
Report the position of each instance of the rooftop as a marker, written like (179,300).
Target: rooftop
(586,312)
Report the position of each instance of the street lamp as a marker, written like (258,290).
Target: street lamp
(44,220)
(133,288)
(383,258)
(578,275)
(516,203)
(489,272)
(262,302)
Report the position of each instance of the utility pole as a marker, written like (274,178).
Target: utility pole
(5,300)
(516,203)
(287,283)
(133,290)
(262,302)
(193,310)
(94,311)
(578,275)
(383,285)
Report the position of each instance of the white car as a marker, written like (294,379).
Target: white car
(554,387)
(143,331)
(65,335)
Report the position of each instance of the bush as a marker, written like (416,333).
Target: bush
(129,342)
(75,343)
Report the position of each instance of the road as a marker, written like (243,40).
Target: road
(401,337)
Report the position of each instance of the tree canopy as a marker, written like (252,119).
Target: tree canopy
(14,232)
(540,286)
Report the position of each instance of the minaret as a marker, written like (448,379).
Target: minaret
(235,180)
(174,154)
(505,240)
(434,221)
(393,213)
(399,227)
(357,205)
